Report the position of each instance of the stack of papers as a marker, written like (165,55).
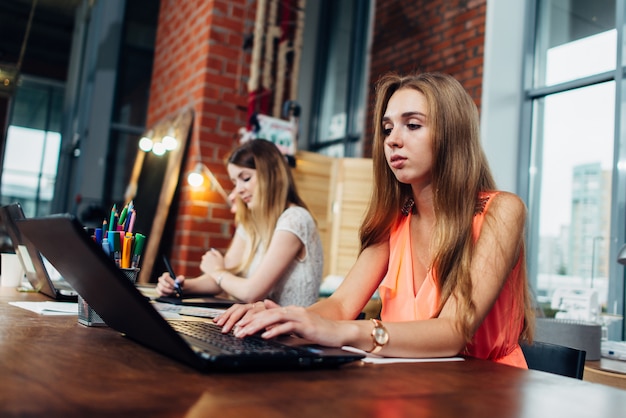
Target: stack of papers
(376,359)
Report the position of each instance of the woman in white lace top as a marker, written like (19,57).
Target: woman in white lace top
(276,251)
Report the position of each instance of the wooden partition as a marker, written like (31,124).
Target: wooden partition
(352,194)
(313,175)
(337,191)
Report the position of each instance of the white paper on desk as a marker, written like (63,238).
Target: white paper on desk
(374,359)
(171,311)
(148,291)
(49,307)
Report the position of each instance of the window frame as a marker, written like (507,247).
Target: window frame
(527,176)
(358,75)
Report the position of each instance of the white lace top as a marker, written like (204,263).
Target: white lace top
(301,281)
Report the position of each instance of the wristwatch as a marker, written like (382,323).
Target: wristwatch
(380,336)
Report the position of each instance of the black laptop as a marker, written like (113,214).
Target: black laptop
(120,304)
(41,274)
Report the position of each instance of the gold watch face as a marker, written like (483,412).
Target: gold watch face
(380,335)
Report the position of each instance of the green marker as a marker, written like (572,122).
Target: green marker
(140,240)
(112,220)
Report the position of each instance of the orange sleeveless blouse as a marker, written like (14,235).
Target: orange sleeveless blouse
(497,337)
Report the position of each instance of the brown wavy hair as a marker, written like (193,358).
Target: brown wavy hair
(460,171)
(275,191)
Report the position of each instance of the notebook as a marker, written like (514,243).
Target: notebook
(122,306)
(41,274)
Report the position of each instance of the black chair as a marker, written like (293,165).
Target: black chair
(557,359)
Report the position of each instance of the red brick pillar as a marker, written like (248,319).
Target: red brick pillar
(437,35)
(199,63)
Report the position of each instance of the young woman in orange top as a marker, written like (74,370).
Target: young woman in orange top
(444,247)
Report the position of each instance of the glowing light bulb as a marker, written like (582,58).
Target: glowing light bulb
(170,142)
(159,149)
(145,144)
(195,179)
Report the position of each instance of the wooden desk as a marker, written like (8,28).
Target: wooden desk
(52,366)
(606,371)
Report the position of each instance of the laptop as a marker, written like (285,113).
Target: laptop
(122,306)
(41,274)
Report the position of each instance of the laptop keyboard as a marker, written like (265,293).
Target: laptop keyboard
(212,335)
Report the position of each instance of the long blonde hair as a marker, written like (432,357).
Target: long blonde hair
(275,191)
(460,171)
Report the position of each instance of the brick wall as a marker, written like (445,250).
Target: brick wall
(199,63)
(428,35)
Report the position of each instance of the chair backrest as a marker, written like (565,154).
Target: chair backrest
(557,359)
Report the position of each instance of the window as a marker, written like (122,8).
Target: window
(573,233)
(32,146)
(132,91)
(338,102)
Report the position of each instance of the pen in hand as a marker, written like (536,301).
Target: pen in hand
(177,288)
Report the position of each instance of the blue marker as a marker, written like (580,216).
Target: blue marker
(98,235)
(105,246)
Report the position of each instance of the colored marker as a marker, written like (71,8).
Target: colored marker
(117,252)
(127,244)
(131,209)
(105,246)
(140,240)
(131,222)
(112,219)
(98,235)
(122,219)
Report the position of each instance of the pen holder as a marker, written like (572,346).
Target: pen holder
(87,316)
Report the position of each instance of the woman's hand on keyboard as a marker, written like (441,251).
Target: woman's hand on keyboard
(237,312)
(275,321)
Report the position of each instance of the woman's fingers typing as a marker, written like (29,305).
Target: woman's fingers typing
(272,322)
(238,312)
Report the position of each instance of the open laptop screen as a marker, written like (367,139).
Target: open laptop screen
(41,274)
